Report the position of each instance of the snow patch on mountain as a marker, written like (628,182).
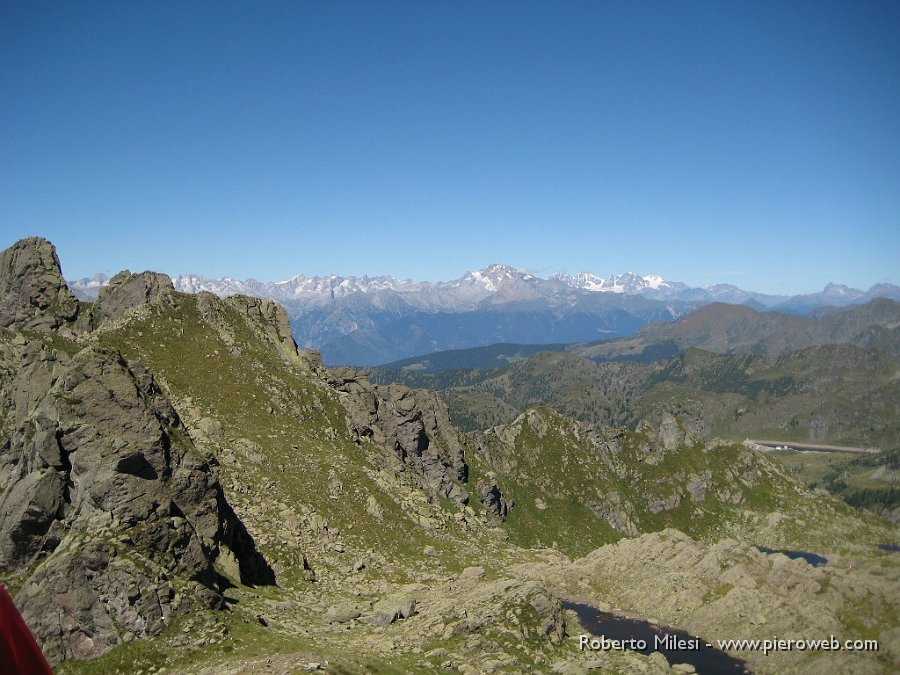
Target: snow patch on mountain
(629,283)
(494,284)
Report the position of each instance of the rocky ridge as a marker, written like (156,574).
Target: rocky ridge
(110,521)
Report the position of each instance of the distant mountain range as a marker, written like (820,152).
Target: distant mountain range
(734,371)
(372,320)
(718,328)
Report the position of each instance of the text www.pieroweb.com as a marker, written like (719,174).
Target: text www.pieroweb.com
(776,644)
(766,646)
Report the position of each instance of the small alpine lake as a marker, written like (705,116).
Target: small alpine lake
(813,559)
(613,632)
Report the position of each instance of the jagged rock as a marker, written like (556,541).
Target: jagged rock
(673,434)
(550,616)
(491,497)
(613,511)
(127,291)
(101,489)
(270,319)
(414,424)
(33,294)
(698,484)
(659,504)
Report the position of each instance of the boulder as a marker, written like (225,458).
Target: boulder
(341,613)
(387,611)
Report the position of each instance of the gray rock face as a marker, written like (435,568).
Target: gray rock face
(268,316)
(415,424)
(264,317)
(126,291)
(103,500)
(492,499)
(673,434)
(33,293)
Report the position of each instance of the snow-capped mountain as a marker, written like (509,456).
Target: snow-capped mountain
(630,283)
(371,320)
(88,287)
(495,284)
(493,278)
(297,287)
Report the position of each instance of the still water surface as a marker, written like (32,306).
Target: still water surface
(706,660)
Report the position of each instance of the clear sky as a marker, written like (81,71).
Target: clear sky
(753,143)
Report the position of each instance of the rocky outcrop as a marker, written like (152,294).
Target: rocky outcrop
(104,500)
(673,433)
(389,610)
(490,496)
(413,424)
(632,481)
(33,293)
(127,291)
(270,319)
(264,318)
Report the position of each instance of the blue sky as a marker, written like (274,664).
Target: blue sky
(754,143)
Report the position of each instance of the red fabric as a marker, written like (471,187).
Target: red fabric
(19,653)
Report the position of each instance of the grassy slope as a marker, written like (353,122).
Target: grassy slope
(291,471)
(290,468)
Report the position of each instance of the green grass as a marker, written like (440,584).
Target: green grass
(287,459)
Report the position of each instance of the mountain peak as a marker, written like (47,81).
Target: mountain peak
(629,282)
(498,271)
(33,293)
(833,290)
(495,276)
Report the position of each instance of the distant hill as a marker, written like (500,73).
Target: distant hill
(719,328)
(844,390)
(833,393)
(725,329)
(492,356)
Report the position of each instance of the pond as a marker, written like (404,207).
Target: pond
(890,548)
(641,636)
(813,559)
